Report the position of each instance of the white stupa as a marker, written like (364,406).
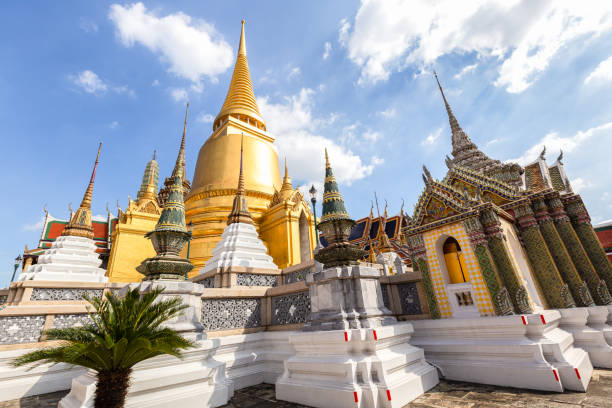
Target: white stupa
(240,244)
(72,257)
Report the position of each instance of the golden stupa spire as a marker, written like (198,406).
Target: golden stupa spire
(80,221)
(150,181)
(240,210)
(240,100)
(287,187)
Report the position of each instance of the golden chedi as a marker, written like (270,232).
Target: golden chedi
(281,215)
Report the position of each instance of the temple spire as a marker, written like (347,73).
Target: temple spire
(240,210)
(333,203)
(287,187)
(150,181)
(180,160)
(459,138)
(240,101)
(80,221)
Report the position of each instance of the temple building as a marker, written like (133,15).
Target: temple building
(280,213)
(493,238)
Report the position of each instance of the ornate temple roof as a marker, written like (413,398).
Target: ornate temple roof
(333,203)
(80,222)
(240,100)
(150,181)
(240,209)
(466,153)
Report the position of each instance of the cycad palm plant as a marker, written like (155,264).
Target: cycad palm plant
(124,331)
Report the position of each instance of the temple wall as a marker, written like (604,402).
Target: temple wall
(439,274)
(518,256)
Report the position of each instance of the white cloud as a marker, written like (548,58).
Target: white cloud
(90,82)
(295,71)
(465,70)
(191,48)
(431,138)
(327,52)
(522,35)
(205,118)
(298,139)
(179,94)
(99,217)
(388,113)
(371,135)
(87,25)
(554,142)
(155,82)
(579,184)
(343,32)
(113,125)
(603,72)
(37,226)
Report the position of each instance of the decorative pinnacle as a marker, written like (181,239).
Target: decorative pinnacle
(86,203)
(180,160)
(454,124)
(240,210)
(242,46)
(154,154)
(327,165)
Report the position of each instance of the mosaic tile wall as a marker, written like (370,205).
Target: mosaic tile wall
(63,294)
(409,298)
(479,288)
(21,329)
(71,320)
(291,309)
(242,313)
(252,279)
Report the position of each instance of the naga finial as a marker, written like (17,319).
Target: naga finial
(427,175)
(70,209)
(560,156)
(449,162)
(45,209)
(543,154)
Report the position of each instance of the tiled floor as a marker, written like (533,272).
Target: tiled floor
(446,395)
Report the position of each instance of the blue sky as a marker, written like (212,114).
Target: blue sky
(355,77)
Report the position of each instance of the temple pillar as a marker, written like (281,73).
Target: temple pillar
(582,225)
(555,291)
(499,293)
(419,262)
(577,253)
(501,256)
(566,268)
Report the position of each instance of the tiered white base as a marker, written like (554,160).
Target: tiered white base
(589,328)
(206,377)
(516,351)
(355,368)
(392,262)
(70,259)
(239,246)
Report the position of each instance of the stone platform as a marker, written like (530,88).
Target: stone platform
(448,394)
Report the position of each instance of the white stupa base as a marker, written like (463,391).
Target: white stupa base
(392,263)
(70,259)
(355,368)
(239,246)
(589,328)
(528,351)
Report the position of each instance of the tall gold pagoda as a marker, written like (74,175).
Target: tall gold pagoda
(280,213)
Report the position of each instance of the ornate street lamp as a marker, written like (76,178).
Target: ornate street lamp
(17,262)
(313,199)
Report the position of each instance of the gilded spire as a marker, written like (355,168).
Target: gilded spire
(172,217)
(240,100)
(150,181)
(383,240)
(333,203)
(240,210)
(80,222)
(454,124)
(287,187)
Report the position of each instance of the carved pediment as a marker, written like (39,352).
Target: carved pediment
(434,205)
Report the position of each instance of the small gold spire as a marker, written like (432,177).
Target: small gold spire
(240,210)
(242,46)
(327,165)
(86,202)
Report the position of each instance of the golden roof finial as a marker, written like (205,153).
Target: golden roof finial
(287,187)
(327,165)
(80,222)
(154,154)
(240,100)
(240,210)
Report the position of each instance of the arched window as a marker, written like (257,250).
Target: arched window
(305,253)
(457,272)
